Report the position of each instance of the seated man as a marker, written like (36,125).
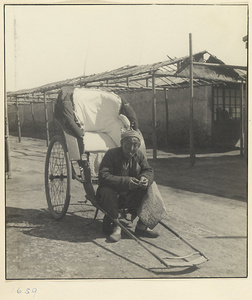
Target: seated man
(124,177)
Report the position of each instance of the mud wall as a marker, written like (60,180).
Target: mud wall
(32,124)
(178,116)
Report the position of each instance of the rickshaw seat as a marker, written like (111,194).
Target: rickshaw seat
(73,145)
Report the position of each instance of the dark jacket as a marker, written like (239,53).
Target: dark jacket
(111,172)
(65,113)
(129,112)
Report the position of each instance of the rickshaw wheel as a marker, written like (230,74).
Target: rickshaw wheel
(57,177)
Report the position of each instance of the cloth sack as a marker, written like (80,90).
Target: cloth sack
(152,208)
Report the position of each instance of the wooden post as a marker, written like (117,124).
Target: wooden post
(46,121)
(53,113)
(53,110)
(18,120)
(147,82)
(7,144)
(154,118)
(246,122)
(32,112)
(192,154)
(241,122)
(166,118)
(127,81)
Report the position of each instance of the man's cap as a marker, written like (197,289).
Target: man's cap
(130,134)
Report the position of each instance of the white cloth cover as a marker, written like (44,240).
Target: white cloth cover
(124,121)
(98,141)
(98,111)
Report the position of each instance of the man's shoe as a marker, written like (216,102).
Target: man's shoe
(149,233)
(116,235)
(107,225)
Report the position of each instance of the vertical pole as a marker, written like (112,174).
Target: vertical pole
(53,112)
(166,118)
(192,154)
(7,144)
(154,118)
(147,82)
(246,122)
(46,121)
(241,122)
(18,120)
(32,112)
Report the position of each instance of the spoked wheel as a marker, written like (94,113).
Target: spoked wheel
(58,176)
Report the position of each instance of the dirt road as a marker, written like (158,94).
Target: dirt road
(206,204)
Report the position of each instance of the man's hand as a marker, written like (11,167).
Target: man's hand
(143,182)
(134,184)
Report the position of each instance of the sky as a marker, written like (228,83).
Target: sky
(49,43)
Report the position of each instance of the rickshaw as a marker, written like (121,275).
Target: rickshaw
(64,164)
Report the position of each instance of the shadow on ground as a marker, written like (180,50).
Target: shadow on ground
(39,223)
(224,176)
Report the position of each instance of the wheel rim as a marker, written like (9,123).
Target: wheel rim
(58,178)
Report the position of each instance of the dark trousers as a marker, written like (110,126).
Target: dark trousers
(112,201)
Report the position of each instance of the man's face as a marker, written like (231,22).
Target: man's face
(130,146)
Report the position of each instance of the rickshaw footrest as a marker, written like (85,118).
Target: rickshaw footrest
(192,263)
